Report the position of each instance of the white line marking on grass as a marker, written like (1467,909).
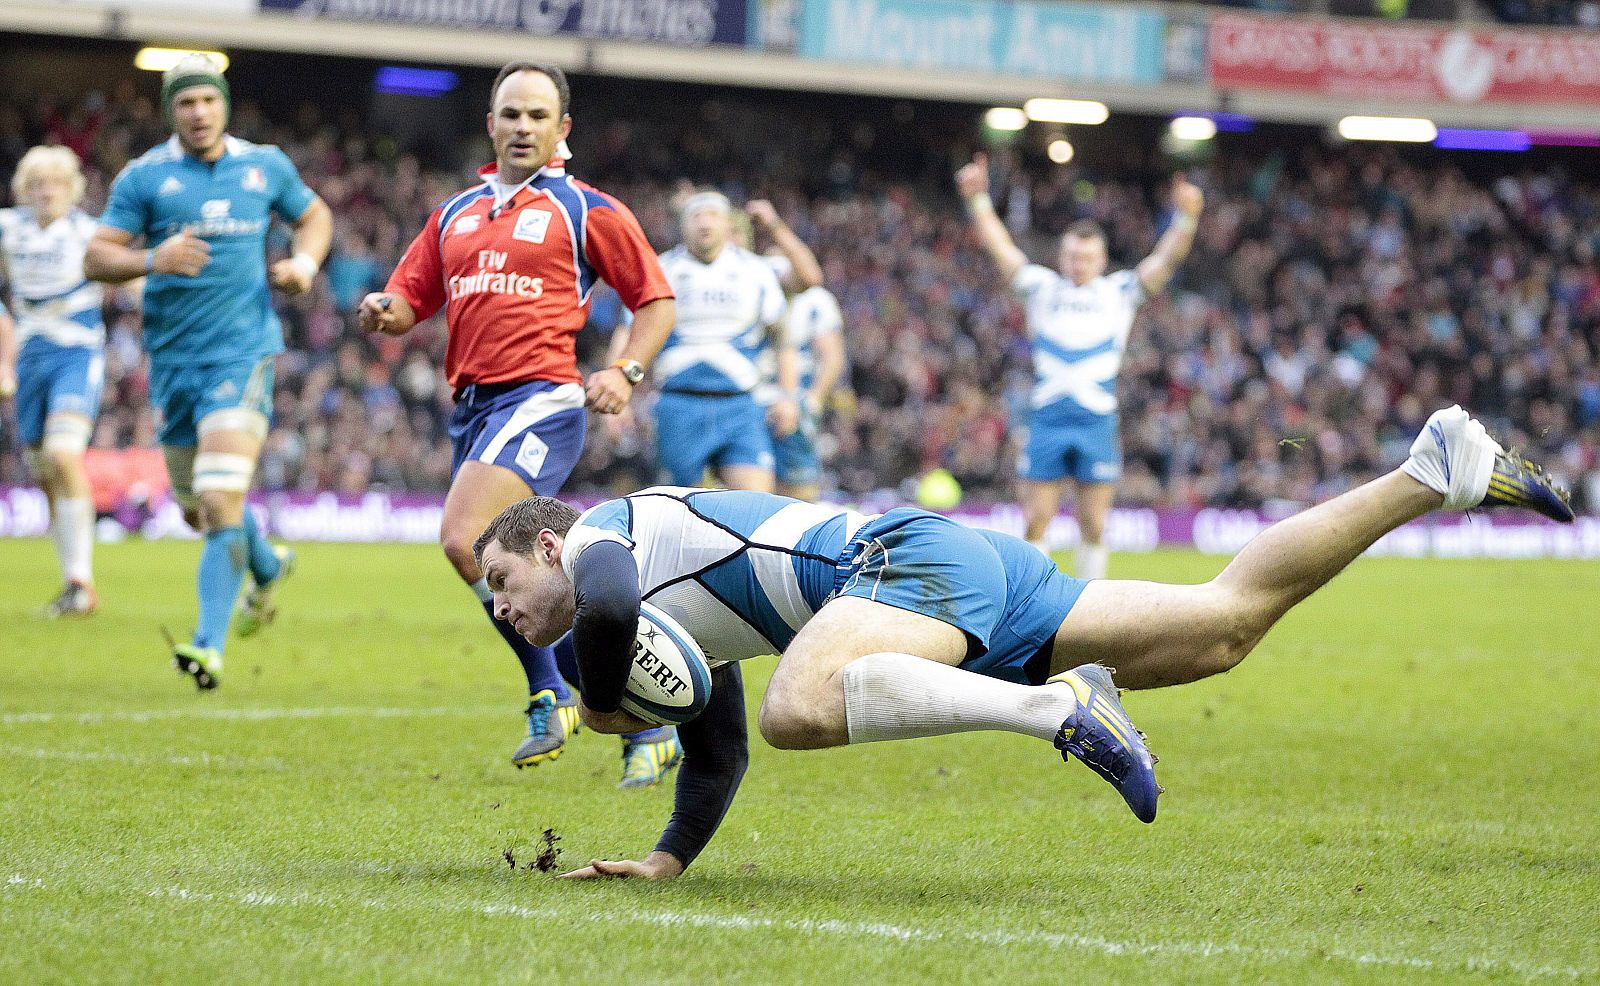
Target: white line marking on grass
(855,929)
(248,715)
(201,759)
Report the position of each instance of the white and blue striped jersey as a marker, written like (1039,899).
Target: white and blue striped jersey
(813,313)
(743,572)
(1079,335)
(50,296)
(724,311)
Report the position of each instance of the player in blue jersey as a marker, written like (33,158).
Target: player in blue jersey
(907,624)
(54,357)
(202,203)
(1079,319)
(813,325)
(730,311)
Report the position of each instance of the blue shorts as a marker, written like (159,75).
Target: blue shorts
(796,453)
(184,394)
(54,379)
(535,429)
(1086,450)
(1004,594)
(696,432)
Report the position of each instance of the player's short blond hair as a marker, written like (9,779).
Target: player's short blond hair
(44,160)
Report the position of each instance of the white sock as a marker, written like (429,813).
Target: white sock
(1091,561)
(896,696)
(480,588)
(74,537)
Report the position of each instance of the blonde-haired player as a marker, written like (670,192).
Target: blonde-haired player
(53,356)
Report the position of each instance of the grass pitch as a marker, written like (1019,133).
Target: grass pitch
(1398,785)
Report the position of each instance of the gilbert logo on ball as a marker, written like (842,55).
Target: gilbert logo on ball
(669,680)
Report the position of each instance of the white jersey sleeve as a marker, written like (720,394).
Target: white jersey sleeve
(1032,279)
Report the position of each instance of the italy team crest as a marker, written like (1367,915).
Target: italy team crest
(254,180)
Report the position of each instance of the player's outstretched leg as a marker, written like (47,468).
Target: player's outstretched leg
(1157,635)
(270,566)
(848,678)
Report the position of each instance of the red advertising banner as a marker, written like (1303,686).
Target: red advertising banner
(1350,58)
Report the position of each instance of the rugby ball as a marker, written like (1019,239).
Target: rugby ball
(669,681)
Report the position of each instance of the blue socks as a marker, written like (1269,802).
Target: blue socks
(264,563)
(222,563)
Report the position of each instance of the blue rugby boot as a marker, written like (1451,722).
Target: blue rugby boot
(1516,482)
(1455,457)
(547,735)
(647,756)
(1100,734)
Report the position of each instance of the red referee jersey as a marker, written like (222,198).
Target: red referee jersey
(515,282)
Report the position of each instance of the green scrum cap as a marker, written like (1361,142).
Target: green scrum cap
(193,69)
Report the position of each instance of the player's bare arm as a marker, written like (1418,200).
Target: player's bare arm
(8,357)
(804,271)
(784,414)
(112,258)
(386,312)
(972,181)
(1157,269)
(608,391)
(829,353)
(313,234)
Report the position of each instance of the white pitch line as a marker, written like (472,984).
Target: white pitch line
(246,715)
(870,930)
(201,759)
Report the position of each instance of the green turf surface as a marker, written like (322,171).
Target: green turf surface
(1398,785)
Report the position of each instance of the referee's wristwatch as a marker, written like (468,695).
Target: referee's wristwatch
(632,370)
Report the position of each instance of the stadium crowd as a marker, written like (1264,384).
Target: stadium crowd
(1334,297)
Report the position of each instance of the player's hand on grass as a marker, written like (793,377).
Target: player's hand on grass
(607,391)
(783,417)
(291,277)
(973,179)
(376,314)
(656,866)
(184,255)
(1187,197)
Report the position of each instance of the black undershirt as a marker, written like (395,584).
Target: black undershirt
(605,622)
(716,744)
